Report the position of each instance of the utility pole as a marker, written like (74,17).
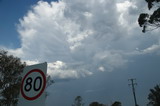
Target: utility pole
(133,89)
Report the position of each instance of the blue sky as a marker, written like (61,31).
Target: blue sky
(92,47)
(11,11)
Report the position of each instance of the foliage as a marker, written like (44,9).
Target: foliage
(96,104)
(78,101)
(10,69)
(150,21)
(49,83)
(154,96)
(116,103)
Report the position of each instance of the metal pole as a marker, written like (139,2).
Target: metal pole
(133,89)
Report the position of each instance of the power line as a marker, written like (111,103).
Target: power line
(133,90)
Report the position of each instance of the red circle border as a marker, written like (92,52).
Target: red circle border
(44,85)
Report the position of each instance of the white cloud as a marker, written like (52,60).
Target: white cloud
(151,49)
(29,62)
(110,60)
(122,8)
(101,68)
(60,70)
(77,38)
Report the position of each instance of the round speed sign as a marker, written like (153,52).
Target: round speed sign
(33,84)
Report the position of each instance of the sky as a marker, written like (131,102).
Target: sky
(92,47)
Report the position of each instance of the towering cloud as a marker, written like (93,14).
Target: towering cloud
(78,37)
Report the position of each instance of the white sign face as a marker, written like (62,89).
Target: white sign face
(33,85)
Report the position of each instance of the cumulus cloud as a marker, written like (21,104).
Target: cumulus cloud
(151,49)
(59,70)
(78,38)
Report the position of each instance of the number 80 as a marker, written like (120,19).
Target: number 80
(28,85)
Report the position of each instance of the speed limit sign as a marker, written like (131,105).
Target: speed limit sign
(33,85)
